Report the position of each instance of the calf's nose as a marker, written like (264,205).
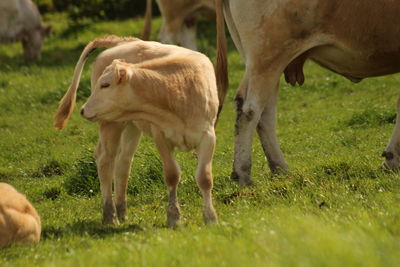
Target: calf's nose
(82,112)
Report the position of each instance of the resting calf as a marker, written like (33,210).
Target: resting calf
(19,221)
(165,91)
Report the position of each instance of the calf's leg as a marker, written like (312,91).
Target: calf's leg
(392,152)
(129,143)
(171,178)
(106,152)
(204,177)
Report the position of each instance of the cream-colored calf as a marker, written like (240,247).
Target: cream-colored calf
(165,91)
(19,221)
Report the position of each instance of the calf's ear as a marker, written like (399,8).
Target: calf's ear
(122,74)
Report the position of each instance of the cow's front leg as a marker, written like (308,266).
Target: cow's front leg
(129,143)
(266,130)
(252,97)
(106,152)
(392,152)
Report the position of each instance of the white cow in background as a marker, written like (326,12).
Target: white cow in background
(20,20)
(179,25)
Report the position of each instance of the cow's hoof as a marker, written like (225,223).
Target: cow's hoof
(244,180)
(173,215)
(389,166)
(392,162)
(234,177)
(279,170)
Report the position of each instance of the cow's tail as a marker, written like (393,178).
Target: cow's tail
(67,103)
(221,68)
(147,21)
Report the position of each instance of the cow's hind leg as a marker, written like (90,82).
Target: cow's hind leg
(204,174)
(266,130)
(171,178)
(188,33)
(106,152)
(392,152)
(257,96)
(129,142)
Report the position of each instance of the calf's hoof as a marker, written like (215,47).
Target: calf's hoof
(173,215)
(210,217)
(122,218)
(121,212)
(110,220)
(110,214)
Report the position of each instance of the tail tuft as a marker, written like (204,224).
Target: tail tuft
(67,103)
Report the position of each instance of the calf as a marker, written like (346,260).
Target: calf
(19,221)
(20,20)
(179,20)
(165,91)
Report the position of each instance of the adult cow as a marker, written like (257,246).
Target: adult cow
(179,25)
(356,39)
(20,20)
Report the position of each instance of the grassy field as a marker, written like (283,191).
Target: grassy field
(335,208)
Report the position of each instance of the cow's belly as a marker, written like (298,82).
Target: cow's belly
(356,65)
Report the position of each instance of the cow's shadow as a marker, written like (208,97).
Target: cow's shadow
(90,228)
(51,58)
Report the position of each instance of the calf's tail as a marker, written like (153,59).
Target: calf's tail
(221,68)
(147,21)
(67,103)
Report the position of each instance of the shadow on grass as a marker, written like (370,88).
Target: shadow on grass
(74,30)
(54,57)
(90,228)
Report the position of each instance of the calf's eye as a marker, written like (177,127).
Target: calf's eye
(104,85)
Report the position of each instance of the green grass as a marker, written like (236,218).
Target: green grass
(335,208)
